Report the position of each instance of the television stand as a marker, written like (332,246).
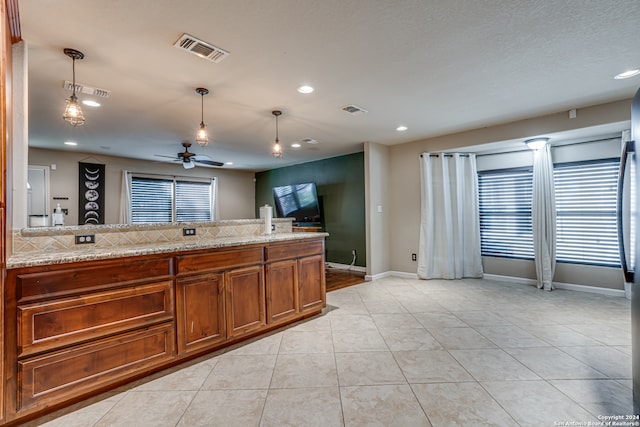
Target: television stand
(306,229)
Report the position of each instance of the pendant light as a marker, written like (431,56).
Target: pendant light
(277,148)
(73,113)
(202,138)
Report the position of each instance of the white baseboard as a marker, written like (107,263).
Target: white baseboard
(400,274)
(511,279)
(592,289)
(558,285)
(346,267)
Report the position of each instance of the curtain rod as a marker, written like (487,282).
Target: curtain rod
(445,154)
(552,146)
(524,149)
(171,176)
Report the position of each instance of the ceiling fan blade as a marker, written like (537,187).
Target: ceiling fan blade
(168,157)
(209,162)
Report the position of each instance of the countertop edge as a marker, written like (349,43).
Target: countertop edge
(65,257)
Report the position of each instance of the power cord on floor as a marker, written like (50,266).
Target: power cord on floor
(353,261)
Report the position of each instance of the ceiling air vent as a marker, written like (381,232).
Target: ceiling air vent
(202,49)
(353,109)
(81,88)
(309,141)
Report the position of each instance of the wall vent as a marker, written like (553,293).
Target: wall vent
(88,90)
(353,109)
(202,49)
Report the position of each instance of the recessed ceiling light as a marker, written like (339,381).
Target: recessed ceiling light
(229,163)
(305,89)
(70,143)
(91,103)
(628,74)
(295,145)
(401,128)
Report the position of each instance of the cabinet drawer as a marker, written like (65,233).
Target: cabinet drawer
(52,324)
(57,283)
(53,378)
(294,250)
(218,260)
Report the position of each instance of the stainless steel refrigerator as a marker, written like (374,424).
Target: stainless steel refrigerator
(635,287)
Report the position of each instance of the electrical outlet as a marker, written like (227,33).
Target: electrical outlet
(188,231)
(82,239)
(414,257)
(273,227)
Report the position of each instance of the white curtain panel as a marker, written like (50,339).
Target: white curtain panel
(214,200)
(450,223)
(544,217)
(125,198)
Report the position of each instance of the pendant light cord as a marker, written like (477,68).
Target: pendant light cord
(73,67)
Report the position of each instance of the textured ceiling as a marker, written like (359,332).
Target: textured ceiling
(436,66)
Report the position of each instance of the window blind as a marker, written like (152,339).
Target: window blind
(505,213)
(586,212)
(193,201)
(151,200)
(170,199)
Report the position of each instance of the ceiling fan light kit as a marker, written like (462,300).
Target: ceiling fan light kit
(202,138)
(277,148)
(72,112)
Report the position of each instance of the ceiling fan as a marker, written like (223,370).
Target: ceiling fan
(190,159)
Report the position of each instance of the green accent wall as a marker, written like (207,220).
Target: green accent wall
(340,185)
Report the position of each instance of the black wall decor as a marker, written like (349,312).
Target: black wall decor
(90,193)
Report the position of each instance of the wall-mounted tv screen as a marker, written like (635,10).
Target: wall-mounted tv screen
(299,201)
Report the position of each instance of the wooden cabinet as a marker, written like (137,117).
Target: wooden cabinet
(56,323)
(72,330)
(68,373)
(200,311)
(225,299)
(245,300)
(85,326)
(282,290)
(295,279)
(312,288)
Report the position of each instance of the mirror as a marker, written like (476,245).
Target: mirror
(38,206)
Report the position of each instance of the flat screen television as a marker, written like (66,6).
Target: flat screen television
(299,201)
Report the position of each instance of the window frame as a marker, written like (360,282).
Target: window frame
(612,213)
(484,252)
(174,179)
(558,214)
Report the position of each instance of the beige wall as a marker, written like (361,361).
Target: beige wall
(376,165)
(236,189)
(404,185)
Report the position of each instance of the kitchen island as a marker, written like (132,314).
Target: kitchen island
(79,322)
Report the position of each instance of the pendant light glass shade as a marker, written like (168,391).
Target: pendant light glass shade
(72,112)
(202,137)
(277,148)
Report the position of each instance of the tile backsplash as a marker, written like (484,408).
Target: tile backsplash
(48,239)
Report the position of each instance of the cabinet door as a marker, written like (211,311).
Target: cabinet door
(200,302)
(311,283)
(245,300)
(282,290)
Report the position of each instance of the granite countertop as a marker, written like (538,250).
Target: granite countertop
(88,254)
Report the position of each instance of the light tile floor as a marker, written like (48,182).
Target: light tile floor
(400,352)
